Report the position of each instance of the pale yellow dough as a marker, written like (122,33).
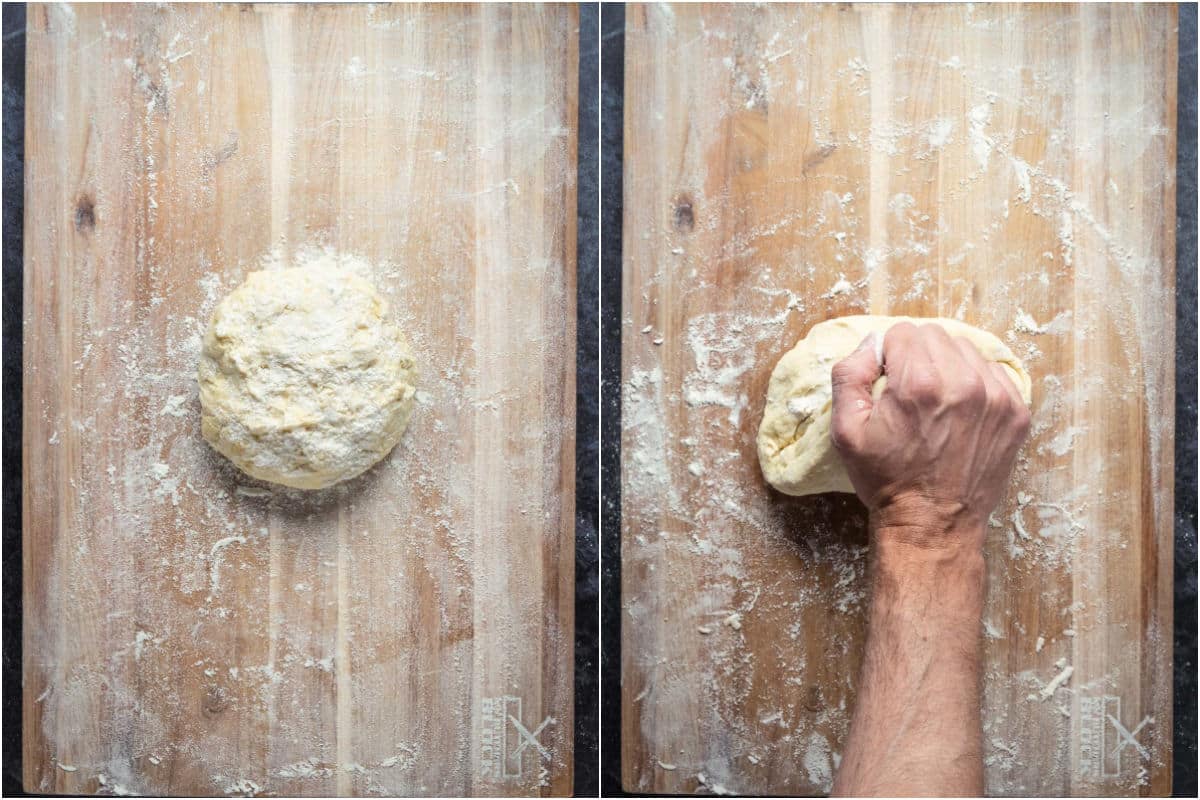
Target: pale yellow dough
(794,447)
(304,381)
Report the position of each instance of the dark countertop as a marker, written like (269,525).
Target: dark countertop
(612,91)
(14,205)
(1185,413)
(613,30)
(587,419)
(587,379)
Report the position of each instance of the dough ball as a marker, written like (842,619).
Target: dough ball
(794,445)
(303,379)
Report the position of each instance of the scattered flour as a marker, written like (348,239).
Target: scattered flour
(981,143)
(939,133)
(842,286)
(817,762)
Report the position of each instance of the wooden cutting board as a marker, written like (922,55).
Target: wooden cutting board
(1011,166)
(188,630)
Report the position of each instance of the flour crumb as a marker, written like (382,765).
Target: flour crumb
(355,69)
(175,406)
(1063,443)
(308,768)
(842,286)
(1062,677)
(243,787)
(939,133)
(1025,323)
(215,560)
(323,664)
(113,786)
(981,143)
(139,642)
(817,764)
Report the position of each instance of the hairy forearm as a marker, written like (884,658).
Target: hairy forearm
(916,726)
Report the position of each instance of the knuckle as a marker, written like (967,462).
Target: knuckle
(925,385)
(842,372)
(974,385)
(964,344)
(899,332)
(1022,420)
(969,388)
(851,371)
(933,332)
(841,436)
(838,438)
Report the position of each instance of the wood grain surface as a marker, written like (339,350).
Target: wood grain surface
(1011,166)
(188,630)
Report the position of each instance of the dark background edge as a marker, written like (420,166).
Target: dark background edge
(612,93)
(587,412)
(13,301)
(1184,733)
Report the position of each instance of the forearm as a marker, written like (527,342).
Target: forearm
(916,726)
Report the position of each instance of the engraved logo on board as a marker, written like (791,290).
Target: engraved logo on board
(1104,738)
(506,742)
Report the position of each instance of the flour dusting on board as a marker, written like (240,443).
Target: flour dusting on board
(790,199)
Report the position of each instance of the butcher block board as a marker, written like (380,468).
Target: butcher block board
(1010,166)
(190,631)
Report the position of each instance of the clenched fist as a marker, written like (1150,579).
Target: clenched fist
(933,452)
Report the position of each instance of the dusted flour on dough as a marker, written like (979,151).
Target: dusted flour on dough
(303,379)
(794,448)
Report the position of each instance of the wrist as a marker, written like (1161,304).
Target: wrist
(944,587)
(932,551)
(924,523)
(948,567)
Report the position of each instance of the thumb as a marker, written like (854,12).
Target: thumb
(852,380)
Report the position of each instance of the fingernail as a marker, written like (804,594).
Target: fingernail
(873,341)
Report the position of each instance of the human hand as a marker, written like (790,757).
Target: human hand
(932,454)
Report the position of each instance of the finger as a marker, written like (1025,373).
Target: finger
(852,379)
(914,358)
(1002,377)
(977,372)
(971,357)
(897,347)
(946,351)
(898,340)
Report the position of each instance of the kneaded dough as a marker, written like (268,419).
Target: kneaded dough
(303,379)
(794,445)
